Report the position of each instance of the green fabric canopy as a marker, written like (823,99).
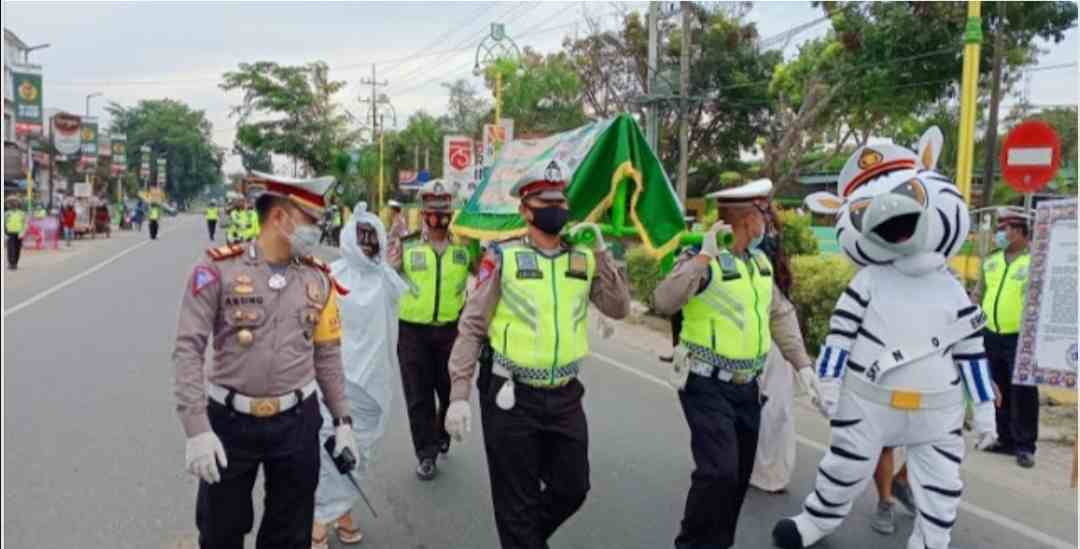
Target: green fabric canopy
(613,170)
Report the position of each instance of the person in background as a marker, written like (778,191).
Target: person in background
(154,217)
(437,270)
(211,219)
(1001,289)
(775,457)
(67,220)
(889,486)
(15,227)
(369,323)
(137,217)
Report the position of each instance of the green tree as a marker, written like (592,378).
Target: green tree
(542,94)
(176,132)
(290,110)
(465,109)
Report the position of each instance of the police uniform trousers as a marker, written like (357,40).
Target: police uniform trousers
(538,457)
(14,249)
(287,447)
(211,227)
(424,356)
(1018,416)
(724,419)
(153,229)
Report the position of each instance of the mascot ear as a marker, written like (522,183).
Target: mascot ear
(823,203)
(929,148)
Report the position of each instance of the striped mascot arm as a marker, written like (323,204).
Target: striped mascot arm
(970,358)
(845,326)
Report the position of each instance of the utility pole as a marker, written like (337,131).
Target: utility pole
(375,84)
(684,105)
(995,106)
(651,115)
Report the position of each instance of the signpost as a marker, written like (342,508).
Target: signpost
(1030,156)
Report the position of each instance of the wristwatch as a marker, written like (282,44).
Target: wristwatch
(344,420)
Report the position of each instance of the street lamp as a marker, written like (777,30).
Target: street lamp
(88,98)
(496,45)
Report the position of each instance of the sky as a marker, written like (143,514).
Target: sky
(153,50)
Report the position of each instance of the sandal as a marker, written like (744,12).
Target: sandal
(346,532)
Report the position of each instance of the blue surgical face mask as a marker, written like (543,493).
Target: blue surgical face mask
(1001,239)
(755,242)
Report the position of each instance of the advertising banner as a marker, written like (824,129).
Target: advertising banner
(26,82)
(119,153)
(457,158)
(67,133)
(495,137)
(144,158)
(1047,351)
(89,134)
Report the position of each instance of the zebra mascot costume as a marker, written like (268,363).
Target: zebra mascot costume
(904,344)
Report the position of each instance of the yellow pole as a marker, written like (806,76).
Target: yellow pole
(969,93)
(380,171)
(498,96)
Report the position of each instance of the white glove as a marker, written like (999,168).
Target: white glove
(203,454)
(344,438)
(709,246)
(985,425)
(809,381)
(458,417)
(598,236)
(828,397)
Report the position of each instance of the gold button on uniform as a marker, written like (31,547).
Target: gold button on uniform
(245,337)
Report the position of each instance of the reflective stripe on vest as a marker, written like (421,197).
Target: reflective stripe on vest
(731,317)
(540,321)
(15,221)
(436,283)
(1003,296)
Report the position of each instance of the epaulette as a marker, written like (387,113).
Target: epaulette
(225,252)
(322,266)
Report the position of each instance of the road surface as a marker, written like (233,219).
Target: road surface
(94,454)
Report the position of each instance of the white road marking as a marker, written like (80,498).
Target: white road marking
(76,278)
(985,514)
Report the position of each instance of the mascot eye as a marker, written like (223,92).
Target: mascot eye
(856,211)
(914,190)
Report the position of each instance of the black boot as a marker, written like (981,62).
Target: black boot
(786,535)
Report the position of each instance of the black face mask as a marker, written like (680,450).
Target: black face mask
(551,219)
(770,246)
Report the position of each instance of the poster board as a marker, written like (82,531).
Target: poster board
(1047,350)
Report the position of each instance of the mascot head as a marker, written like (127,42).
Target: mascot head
(893,204)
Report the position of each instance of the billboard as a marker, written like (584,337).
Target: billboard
(26,82)
(67,133)
(457,158)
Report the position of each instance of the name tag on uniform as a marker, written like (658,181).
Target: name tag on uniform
(579,266)
(461,257)
(527,266)
(418,260)
(728,267)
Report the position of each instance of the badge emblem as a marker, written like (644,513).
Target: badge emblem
(277,281)
(202,278)
(418,260)
(313,292)
(527,266)
(243,279)
(245,337)
(869,158)
(579,266)
(243,288)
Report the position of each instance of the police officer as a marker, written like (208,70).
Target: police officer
(529,315)
(1002,287)
(272,312)
(436,271)
(251,226)
(154,217)
(15,226)
(731,313)
(211,219)
(237,220)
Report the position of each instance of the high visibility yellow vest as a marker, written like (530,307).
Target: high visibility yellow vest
(253,227)
(15,221)
(1003,296)
(731,317)
(155,213)
(211,214)
(40,213)
(436,282)
(540,323)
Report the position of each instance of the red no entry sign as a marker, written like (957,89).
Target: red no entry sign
(1030,156)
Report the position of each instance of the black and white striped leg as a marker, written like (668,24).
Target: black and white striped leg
(934,474)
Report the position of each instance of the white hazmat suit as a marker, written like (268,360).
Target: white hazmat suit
(369,321)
